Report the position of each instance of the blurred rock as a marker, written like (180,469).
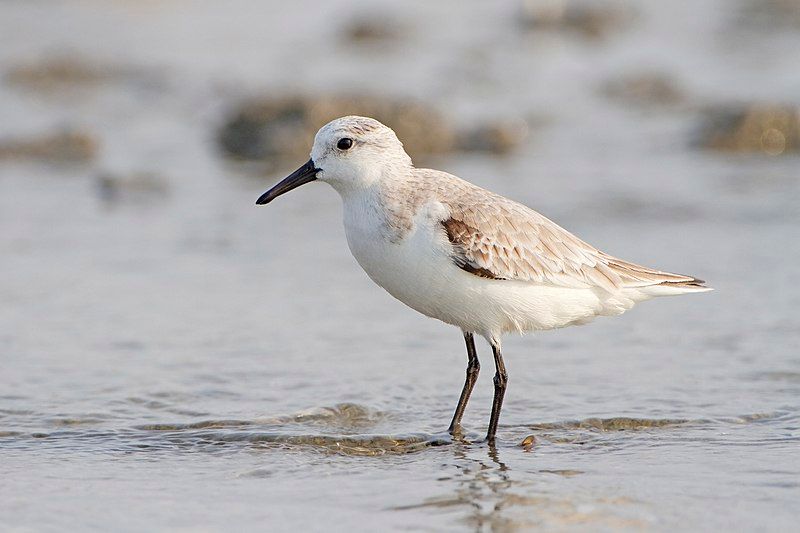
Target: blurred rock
(68,146)
(371,30)
(770,14)
(284,128)
(497,138)
(136,187)
(646,89)
(770,129)
(56,72)
(73,76)
(593,20)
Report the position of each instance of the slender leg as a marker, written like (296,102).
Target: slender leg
(500,382)
(473,367)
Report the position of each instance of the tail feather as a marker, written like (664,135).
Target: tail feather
(641,277)
(668,288)
(699,283)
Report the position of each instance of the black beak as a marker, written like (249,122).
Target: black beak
(304,174)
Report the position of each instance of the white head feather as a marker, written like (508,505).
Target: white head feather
(374,152)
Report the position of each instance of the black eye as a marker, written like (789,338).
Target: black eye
(344,143)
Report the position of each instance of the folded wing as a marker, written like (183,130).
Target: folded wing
(496,238)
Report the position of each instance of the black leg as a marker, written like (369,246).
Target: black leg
(473,367)
(500,382)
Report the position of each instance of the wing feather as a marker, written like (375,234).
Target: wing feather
(496,238)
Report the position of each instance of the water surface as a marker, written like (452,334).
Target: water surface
(174,358)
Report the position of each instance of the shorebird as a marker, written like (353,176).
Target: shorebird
(464,255)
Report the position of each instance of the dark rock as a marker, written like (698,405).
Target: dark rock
(66,146)
(58,72)
(284,128)
(371,30)
(136,187)
(769,129)
(769,15)
(645,89)
(498,138)
(594,20)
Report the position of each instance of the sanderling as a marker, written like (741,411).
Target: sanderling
(466,256)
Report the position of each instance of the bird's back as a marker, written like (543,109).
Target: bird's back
(505,240)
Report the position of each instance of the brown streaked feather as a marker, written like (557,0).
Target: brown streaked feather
(497,238)
(458,232)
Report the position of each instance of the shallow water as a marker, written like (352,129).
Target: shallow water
(174,358)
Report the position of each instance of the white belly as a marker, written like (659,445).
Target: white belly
(419,272)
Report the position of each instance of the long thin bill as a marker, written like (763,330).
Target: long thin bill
(302,175)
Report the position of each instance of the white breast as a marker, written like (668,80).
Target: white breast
(418,270)
(412,268)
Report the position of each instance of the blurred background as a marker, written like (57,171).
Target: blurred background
(172,357)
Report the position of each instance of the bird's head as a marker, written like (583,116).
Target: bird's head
(350,153)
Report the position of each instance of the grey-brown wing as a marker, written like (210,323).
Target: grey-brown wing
(496,238)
